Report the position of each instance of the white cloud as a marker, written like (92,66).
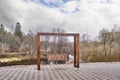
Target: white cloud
(69,6)
(93,15)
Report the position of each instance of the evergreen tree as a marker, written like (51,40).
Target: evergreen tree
(1,29)
(1,32)
(18,31)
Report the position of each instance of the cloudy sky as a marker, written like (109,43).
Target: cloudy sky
(81,16)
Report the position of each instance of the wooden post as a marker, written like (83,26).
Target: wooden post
(38,51)
(77,51)
(74,51)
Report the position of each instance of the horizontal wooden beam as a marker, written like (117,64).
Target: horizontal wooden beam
(57,34)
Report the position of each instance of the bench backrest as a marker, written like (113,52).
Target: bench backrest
(57,57)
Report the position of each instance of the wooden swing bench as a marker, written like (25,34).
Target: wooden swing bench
(57,57)
(76,41)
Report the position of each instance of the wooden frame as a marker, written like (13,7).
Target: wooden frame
(76,46)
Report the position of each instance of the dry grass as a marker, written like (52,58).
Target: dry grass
(17,59)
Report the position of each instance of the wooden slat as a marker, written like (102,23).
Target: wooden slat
(57,57)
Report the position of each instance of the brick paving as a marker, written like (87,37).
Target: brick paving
(87,71)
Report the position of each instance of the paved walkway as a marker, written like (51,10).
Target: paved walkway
(87,71)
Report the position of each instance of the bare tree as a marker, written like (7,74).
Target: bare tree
(59,42)
(110,42)
(29,43)
(103,39)
(117,40)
